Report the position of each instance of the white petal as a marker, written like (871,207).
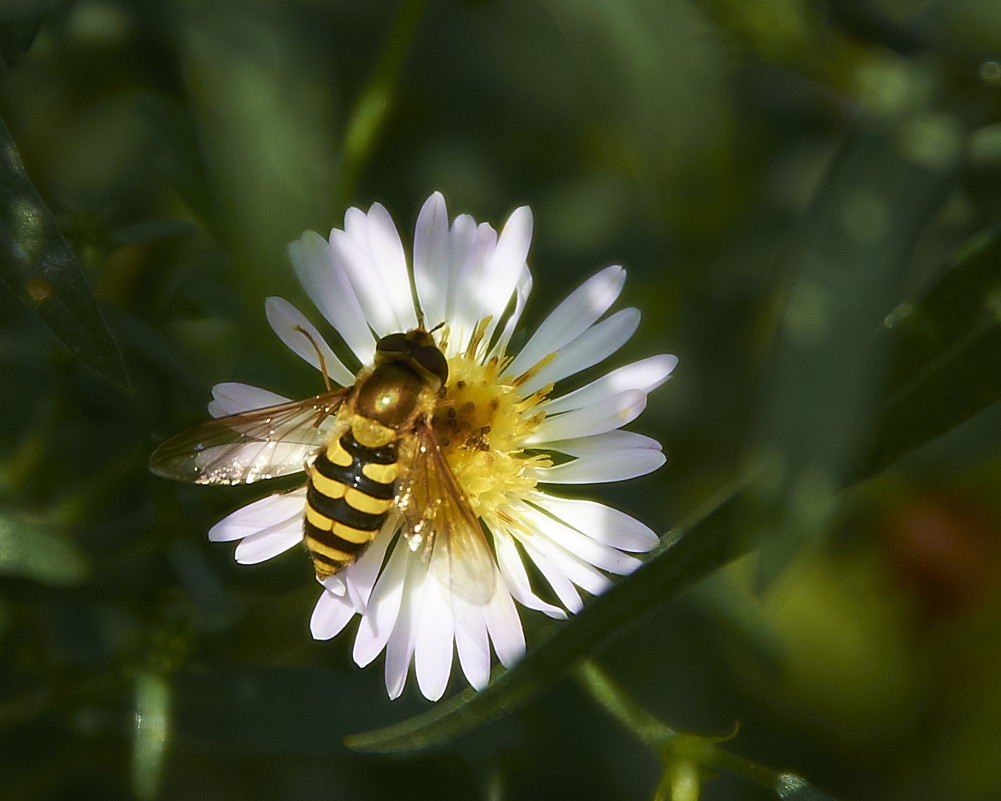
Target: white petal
(516,579)
(462,243)
(471,639)
(580,545)
(360,577)
(330,615)
(602,523)
(323,277)
(522,290)
(604,415)
(383,286)
(513,243)
(505,266)
(597,343)
(573,567)
(556,577)
(554,561)
(472,292)
(603,443)
(603,467)
(391,260)
(646,375)
(299,336)
(274,511)
(505,628)
(400,647)
(268,544)
(578,312)
(357,265)
(431,258)
(433,639)
(232,397)
(399,653)
(383,609)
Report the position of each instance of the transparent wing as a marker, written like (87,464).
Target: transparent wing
(439,524)
(252,446)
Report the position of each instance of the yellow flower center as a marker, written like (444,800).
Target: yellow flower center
(480,423)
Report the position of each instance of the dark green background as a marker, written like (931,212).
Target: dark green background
(804,194)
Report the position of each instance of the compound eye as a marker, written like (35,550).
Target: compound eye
(393,343)
(433,360)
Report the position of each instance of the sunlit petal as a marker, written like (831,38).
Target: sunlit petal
(571,318)
(232,397)
(301,337)
(321,273)
(592,347)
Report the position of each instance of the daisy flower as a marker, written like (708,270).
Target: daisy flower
(508,438)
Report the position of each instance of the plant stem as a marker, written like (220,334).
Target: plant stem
(620,706)
(372,107)
(667,742)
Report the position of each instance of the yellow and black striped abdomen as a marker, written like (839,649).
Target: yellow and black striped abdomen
(348,495)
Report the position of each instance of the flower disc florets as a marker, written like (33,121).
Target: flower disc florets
(481,422)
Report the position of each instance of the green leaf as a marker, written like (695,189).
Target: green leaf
(19,25)
(947,354)
(177,154)
(38,265)
(697,547)
(846,267)
(32,551)
(149,746)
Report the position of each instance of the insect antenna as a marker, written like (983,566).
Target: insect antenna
(443,337)
(319,355)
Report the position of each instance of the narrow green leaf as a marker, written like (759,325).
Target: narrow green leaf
(947,354)
(372,108)
(32,551)
(37,264)
(846,267)
(687,553)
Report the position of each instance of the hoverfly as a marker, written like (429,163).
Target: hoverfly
(370,454)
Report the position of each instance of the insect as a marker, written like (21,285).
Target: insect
(371,458)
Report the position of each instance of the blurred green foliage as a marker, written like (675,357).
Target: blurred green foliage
(805,194)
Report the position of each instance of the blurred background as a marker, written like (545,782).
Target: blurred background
(784,180)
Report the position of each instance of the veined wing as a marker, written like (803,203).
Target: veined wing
(252,446)
(439,524)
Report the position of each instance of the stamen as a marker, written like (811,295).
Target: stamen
(534,370)
(443,337)
(477,337)
(535,398)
